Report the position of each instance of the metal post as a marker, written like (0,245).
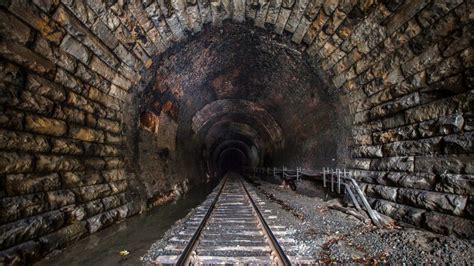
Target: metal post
(324,176)
(339,181)
(332,180)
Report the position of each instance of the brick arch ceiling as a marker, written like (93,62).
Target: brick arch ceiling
(67,66)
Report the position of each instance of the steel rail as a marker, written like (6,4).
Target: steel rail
(273,242)
(185,257)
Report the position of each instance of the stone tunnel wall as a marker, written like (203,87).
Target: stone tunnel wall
(405,68)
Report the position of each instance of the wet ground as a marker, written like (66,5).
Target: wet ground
(321,231)
(136,234)
(329,233)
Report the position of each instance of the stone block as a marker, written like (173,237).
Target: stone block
(101,150)
(359,163)
(11,140)
(403,14)
(35,103)
(26,229)
(442,126)
(445,164)
(101,31)
(415,147)
(45,87)
(24,252)
(102,220)
(127,57)
(94,163)
(17,207)
(384,192)
(448,224)
(362,139)
(66,146)
(461,184)
(122,82)
(334,22)
(37,20)
(435,201)
(459,143)
(109,125)
(10,73)
(11,119)
(80,102)
(44,125)
(118,93)
(88,193)
(119,186)
(101,68)
(60,198)
(31,183)
(63,236)
(393,164)
(94,207)
(77,179)
(440,108)
(367,151)
(395,106)
(361,117)
(111,202)
(112,138)
(435,10)
(394,121)
(23,56)
(468,118)
(11,162)
(14,29)
(75,48)
(400,212)
(425,181)
(106,100)
(448,67)
(113,175)
(398,134)
(73,115)
(67,80)
(114,163)
(372,177)
(428,58)
(50,163)
(75,27)
(86,134)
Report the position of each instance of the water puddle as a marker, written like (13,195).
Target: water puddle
(135,234)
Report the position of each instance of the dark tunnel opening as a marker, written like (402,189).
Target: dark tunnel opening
(232,160)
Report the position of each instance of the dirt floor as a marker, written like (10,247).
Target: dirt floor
(329,235)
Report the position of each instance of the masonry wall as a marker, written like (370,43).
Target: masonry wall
(405,68)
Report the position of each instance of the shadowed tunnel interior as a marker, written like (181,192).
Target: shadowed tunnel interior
(239,97)
(109,108)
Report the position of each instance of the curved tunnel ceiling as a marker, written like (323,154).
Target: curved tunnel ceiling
(236,82)
(218,110)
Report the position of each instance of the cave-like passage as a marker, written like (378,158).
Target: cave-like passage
(109,109)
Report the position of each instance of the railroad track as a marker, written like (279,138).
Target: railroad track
(227,229)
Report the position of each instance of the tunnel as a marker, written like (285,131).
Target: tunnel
(111,110)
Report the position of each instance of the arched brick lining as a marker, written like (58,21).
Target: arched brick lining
(67,67)
(216,109)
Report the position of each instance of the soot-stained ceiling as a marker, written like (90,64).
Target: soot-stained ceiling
(248,85)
